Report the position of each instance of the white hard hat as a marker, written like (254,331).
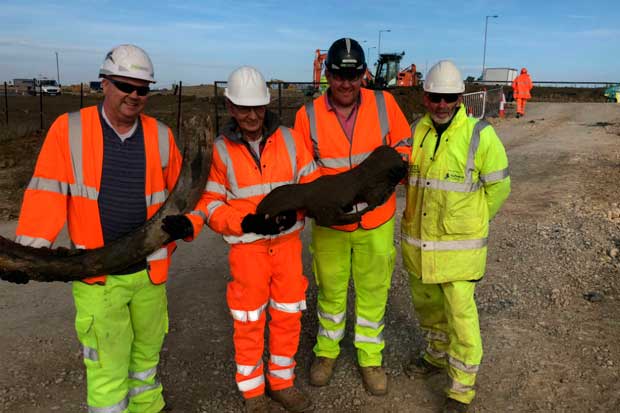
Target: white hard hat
(247,87)
(444,77)
(129,61)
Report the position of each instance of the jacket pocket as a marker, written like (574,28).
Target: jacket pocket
(462,226)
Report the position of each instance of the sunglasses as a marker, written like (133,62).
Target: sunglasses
(351,76)
(245,110)
(447,97)
(129,88)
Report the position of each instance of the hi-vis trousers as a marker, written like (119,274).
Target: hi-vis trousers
(368,256)
(449,319)
(121,326)
(521,106)
(267,276)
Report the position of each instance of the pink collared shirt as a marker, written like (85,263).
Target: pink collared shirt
(347,122)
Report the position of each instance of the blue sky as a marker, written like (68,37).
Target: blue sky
(202,41)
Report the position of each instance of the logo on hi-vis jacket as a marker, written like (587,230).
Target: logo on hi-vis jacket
(454,176)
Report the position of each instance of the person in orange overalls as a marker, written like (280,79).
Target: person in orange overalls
(521,86)
(254,155)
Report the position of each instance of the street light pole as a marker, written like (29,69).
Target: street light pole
(379,44)
(368,53)
(484,53)
(57,70)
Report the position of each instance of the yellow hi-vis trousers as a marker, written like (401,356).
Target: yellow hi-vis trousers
(367,255)
(449,319)
(121,326)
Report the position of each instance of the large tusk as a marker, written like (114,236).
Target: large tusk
(44,264)
(328,198)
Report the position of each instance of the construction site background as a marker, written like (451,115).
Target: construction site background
(24,115)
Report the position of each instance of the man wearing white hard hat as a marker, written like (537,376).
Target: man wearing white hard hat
(105,170)
(253,155)
(458,180)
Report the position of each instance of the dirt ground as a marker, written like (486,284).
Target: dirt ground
(549,304)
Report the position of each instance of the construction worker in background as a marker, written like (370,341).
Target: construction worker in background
(106,169)
(341,128)
(323,87)
(253,155)
(521,86)
(458,180)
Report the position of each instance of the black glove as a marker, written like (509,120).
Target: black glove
(285,220)
(260,224)
(178,227)
(396,174)
(16,277)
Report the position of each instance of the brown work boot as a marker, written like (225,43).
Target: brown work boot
(258,404)
(292,399)
(375,380)
(454,406)
(421,369)
(321,371)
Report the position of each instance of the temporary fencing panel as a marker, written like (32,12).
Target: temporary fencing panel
(475,103)
(484,103)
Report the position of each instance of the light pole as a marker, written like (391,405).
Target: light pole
(379,44)
(484,53)
(368,53)
(57,69)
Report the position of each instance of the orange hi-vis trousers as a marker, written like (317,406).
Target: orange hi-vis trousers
(267,276)
(521,106)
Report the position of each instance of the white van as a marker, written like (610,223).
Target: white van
(499,76)
(46,86)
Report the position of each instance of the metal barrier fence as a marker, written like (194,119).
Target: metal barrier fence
(27,114)
(550,83)
(23,114)
(483,103)
(475,103)
(36,110)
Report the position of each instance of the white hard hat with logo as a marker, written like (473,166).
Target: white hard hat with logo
(247,87)
(444,77)
(129,61)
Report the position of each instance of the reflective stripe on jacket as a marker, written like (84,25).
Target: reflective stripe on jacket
(451,196)
(521,86)
(66,182)
(379,122)
(238,181)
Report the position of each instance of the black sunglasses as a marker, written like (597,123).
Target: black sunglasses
(447,97)
(129,88)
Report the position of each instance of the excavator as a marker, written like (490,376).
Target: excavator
(388,73)
(317,70)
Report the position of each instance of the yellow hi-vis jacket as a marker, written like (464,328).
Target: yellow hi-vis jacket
(451,197)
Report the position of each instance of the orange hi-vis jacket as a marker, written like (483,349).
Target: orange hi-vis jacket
(238,180)
(66,182)
(521,86)
(379,122)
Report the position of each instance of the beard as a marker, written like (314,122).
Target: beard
(443,120)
